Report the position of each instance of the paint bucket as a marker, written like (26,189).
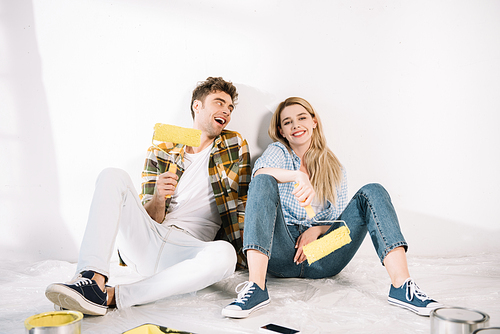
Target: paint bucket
(57,322)
(489,330)
(457,320)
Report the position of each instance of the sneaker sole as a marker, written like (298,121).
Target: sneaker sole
(69,299)
(425,312)
(240,314)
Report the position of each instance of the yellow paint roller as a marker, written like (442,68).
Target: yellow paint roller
(309,210)
(175,134)
(334,240)
(154,329)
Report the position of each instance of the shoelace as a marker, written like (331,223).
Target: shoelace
(83,281)
(412,290)
(245,292)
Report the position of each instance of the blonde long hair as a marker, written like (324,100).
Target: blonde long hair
(325,170)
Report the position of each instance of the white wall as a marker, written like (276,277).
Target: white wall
(407,90)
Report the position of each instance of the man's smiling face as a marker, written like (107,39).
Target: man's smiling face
(213,115)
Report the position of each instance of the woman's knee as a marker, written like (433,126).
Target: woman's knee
(263,186)
(374,189)
(264,181)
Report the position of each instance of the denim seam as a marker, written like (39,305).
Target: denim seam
(290,234)
(274,226)
(388,248)
(302,269)
(375,218)
(266,252)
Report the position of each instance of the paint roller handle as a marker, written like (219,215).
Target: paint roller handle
(172,169)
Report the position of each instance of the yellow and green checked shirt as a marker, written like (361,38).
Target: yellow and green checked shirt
(229,171)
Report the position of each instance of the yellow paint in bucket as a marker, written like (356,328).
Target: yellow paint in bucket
(37,323)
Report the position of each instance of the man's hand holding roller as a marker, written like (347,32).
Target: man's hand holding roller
(165,186)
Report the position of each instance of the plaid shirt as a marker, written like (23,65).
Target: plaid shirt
(277,156)
(229,172)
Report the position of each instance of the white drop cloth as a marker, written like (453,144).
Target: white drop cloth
(355,301)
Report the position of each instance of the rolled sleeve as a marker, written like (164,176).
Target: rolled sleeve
(273,157)
(150,174)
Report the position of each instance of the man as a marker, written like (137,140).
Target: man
(170,242)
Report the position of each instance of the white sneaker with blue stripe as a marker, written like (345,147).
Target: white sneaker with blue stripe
(410,296)
(250,298)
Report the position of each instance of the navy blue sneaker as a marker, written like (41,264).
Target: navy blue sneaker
(82,295)
(410,296)
(250,298)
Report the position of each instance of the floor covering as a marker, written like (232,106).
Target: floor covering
(355,301)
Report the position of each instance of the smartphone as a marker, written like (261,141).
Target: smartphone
(272,328)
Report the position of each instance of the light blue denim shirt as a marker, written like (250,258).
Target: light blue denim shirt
(277,155)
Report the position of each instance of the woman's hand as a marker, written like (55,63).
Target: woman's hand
(304,191)
(311,234)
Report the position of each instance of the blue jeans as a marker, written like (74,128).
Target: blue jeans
(370,210)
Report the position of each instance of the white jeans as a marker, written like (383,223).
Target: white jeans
(172,260)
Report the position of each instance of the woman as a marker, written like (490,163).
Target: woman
(297,170)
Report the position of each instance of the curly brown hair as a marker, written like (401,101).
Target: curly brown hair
(212,85)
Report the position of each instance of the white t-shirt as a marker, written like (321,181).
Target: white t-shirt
(193,206)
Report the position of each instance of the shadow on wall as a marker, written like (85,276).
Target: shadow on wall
(434,236)
(251,118)
(32,227)
(431,236)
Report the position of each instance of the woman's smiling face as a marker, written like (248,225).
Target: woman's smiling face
(296,126)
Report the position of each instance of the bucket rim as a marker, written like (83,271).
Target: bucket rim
(485,316)
(78,316)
